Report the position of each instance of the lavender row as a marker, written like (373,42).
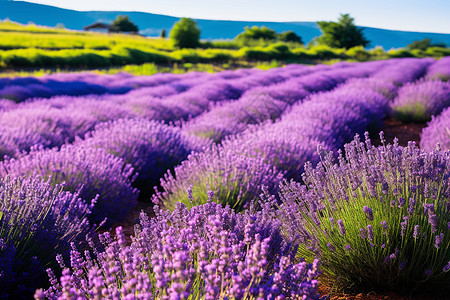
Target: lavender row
(76,84)
(58,120)
(326,119)
(268,103)
(404,70)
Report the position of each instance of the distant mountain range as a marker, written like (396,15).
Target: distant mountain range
(152,24)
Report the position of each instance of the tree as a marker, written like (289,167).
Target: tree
(255,33)
(185,34)
(123,24)
(341,34)
(163,33)
(424,44)
(290,36)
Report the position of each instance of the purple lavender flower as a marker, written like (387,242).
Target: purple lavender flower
(446,267)
(341,226)
(433,220)
(368,212)
(419,101)
(331,247)
(438,241)
(439,70)
(416,231)
(370,232)
(99,175)
(38,222)
(385,226)
(363,233)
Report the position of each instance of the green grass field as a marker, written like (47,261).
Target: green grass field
(32,48)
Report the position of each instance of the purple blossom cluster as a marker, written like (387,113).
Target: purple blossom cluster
(420,100)
(437,132)
(150,147)
(439,70)
(94,172)
(207,252)
(38,221)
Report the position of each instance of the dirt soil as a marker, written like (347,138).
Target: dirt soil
(403,131)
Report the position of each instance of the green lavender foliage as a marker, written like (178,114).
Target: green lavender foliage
(379,218)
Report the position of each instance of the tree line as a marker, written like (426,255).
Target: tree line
(341,34)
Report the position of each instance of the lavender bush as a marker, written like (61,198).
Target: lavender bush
(234,177)
(207,252)
(94,171)
(379,217)
(150,147)
(38,221)
(420,100)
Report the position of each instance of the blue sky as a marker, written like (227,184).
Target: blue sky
(409,15)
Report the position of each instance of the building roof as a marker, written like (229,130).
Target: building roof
(98,25)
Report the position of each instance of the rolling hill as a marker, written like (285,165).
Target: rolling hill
(152,24)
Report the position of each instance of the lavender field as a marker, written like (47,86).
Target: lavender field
(257,184)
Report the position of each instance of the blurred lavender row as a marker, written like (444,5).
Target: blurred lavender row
(52,122)
(420,100)
(267,103)
(439,70)
(437,131)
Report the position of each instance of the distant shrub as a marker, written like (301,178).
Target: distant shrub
(123,24)
(399,53)
(255,33)
(358,53)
